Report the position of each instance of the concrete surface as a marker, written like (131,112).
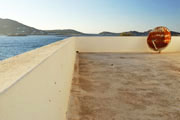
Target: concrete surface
(126,86)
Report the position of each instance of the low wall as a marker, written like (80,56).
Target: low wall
(120,44)
(38,84)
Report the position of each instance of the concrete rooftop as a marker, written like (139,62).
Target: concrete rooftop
(126,86)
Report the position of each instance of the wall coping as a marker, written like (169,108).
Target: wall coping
(15,68)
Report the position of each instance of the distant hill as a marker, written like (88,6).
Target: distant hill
(64,32)
(133,33)
(173,33)
(109,34)
(129,33)
(11,27)
(14,28)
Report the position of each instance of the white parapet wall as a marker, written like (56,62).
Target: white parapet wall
(121,44)
(36,85)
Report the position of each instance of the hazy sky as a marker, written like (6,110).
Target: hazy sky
(93,16)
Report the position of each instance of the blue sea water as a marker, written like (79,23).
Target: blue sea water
(13,45)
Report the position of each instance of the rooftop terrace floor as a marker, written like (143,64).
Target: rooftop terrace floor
(126,86)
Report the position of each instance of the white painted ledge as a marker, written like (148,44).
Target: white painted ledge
(121,44)
(36,85)
(15,68)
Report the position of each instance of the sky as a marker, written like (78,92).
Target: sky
(94,16)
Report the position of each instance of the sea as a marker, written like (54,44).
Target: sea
(14,45)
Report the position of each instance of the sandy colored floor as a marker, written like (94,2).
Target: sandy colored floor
(117,86)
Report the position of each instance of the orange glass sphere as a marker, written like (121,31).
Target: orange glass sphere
(159,38)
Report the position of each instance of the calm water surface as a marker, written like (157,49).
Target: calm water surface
(11,46)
